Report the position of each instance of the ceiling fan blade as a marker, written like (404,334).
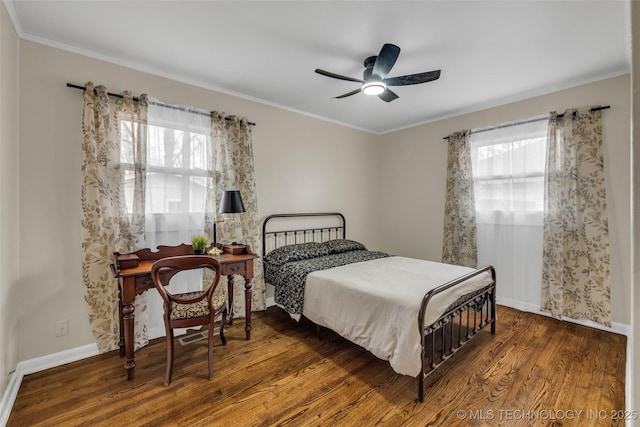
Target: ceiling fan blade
(413,79)
(385,60)
(388,95)
(337,76)
(353,92)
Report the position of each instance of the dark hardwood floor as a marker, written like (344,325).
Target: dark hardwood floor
(534,371)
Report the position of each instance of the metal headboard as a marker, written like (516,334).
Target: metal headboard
(301,235)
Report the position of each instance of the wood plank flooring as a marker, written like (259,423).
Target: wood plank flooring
(535,371)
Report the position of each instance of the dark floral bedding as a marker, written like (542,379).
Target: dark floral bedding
(287,267)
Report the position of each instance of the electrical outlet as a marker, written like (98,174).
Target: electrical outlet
(62,327)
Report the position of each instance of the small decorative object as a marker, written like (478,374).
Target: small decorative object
(128,260)
(198,243)
(215,251)
(235,248)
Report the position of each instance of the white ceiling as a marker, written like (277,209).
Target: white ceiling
(490,52)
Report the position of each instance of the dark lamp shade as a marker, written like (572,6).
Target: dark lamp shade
(231,202)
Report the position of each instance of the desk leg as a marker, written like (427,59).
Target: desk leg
(129,320)
(121,321)
(247,306)
(230,298)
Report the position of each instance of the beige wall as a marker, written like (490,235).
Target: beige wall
(301,164)
(9,243)
(413,187)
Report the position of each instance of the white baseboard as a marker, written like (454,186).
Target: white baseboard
(618,328)
(9,396)
(36,365)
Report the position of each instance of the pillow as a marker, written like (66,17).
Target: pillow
(339,246)
(297,252)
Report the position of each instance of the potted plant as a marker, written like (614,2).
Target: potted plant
(199,244)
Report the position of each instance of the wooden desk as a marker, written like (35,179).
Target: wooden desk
(135,280)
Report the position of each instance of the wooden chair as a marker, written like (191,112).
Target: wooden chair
(192,308)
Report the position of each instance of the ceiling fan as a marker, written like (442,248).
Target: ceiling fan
(376,68)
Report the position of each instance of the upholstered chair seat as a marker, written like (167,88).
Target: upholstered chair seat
(198,309)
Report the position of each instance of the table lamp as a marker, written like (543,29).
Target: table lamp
(231,203)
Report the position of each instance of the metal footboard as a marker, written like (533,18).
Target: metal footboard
(461,321)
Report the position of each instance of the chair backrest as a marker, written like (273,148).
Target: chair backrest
(163,270)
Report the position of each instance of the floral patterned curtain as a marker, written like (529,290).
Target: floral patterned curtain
(575,277)
(459,244)
(114,154)
(107,226)
(232,138)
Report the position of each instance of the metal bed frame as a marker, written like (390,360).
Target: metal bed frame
(316,234)
(439,341)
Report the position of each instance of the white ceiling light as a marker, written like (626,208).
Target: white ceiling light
(375,87)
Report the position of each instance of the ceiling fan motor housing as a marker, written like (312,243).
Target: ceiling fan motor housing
(368,63)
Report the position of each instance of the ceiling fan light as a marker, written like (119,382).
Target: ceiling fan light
(373,88)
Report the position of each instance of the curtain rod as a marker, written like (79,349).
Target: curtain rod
(135,99)
(604,107)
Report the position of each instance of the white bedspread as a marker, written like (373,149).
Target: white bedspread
(375,303)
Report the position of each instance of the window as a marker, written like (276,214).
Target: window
(176,162)
(176,169)
(508,171)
